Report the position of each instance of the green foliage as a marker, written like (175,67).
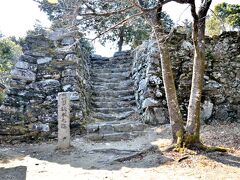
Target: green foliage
(223,15)
(130,32)
(229,13)
(9,53)
(2,96)
(86,45)
(38,29)
(213,26)
(185,28)
(61,12)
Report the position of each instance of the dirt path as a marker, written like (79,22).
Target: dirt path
(87,160)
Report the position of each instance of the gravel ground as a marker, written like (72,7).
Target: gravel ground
(141,158)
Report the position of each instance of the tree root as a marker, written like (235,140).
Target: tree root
(137,154)
(182,158)
(196,146)
(170,148)
(212,148)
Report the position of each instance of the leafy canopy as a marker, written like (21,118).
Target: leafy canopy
(229,13)
(92,16)
(9,53)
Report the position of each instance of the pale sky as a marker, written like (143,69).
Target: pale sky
(18,16)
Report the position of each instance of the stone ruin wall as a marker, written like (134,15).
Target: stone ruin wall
(52,62)
(221,94)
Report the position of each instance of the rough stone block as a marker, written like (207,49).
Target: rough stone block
(67,41)
(41,127)
(44,60)
(149,102)
(22,74)
(74,96)
(207,109)
(48,86)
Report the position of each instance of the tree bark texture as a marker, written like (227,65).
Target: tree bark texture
(175,115)
(121,35)
(194,107)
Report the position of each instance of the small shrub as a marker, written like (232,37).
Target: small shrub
(2,96)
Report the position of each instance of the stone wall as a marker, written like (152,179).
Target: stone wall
(221,95)
(52,62)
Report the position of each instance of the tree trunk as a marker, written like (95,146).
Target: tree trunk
(120,42)
(189,136)
(175,115)
(194,107)
(192,135)
(171,95)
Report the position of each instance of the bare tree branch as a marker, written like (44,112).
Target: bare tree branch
(220,19)
(140,7)
(118,24)
(193,11)
(107,14)
(179,18)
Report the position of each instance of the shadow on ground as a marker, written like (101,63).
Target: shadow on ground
(224,158)
(138,153)
(15,173)
(141,152)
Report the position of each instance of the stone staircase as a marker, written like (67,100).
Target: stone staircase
(113,113)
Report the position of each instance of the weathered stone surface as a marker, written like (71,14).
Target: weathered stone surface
(221,81)
(207,110)
(27,66)
(22,74)
(69,72)
(27,58)
(112,100)
(71,57)
(74,96)
(149,102)
(63,121)
(54,64)
(47,86)
(41,127)
(37,78)
(61,33)
(44,60)
(67,41)
(22,65)
(155,116)
(148,83)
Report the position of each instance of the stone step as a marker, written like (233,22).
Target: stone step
(108,66)
(115,126)
(109,79)
(128,82)
(115,130)
(113,88)
(114,136)
(113,99)
(111,117)
(112,61)
(98,58)
(111,70)
(111,75)
(112,104)
(109,93)
(117,110)
(122,53)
